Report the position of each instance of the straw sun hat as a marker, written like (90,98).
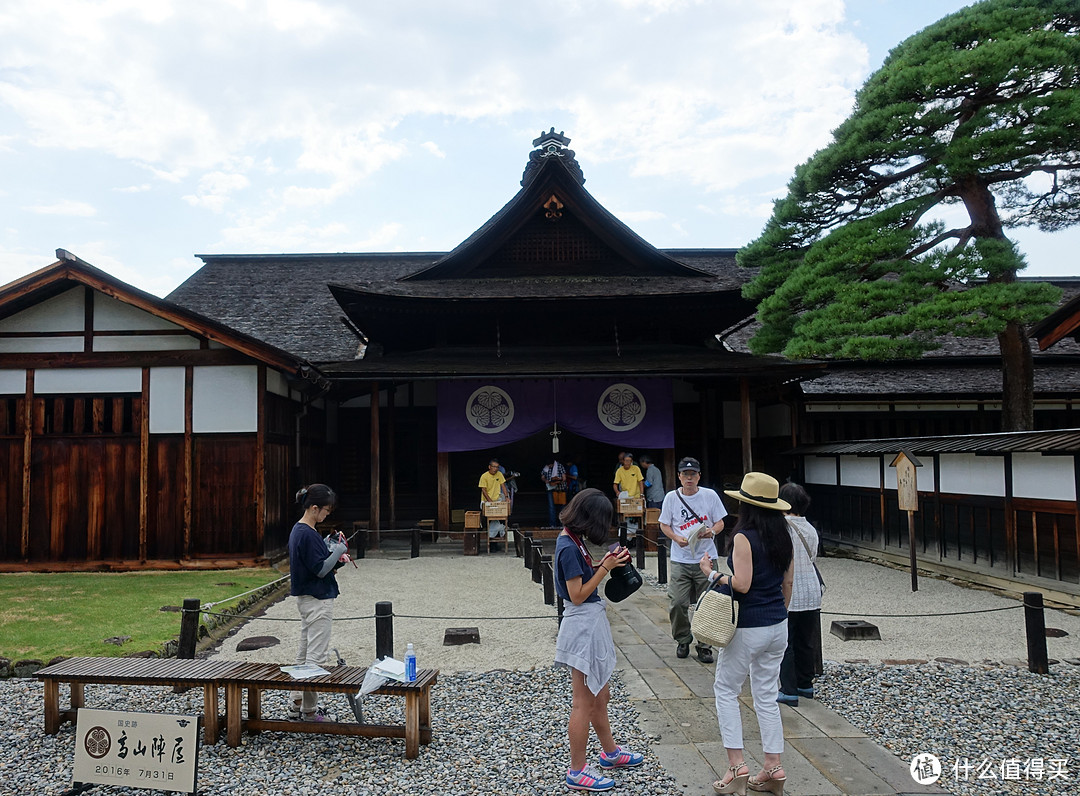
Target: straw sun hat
(760,490)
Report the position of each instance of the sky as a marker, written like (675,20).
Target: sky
(137,134)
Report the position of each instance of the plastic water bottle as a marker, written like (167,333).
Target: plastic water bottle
(410,663)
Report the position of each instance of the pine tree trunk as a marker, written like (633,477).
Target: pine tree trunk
(1017,380)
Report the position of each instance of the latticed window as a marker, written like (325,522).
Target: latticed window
(111,414)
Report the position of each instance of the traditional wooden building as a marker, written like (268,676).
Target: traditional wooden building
(140,429)
(133,429)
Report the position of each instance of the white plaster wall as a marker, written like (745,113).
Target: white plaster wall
(88,380)
(924,475)
(39,345)
(63,313)
(166,400)
(146,342)
(820,470)
(114,315)
(225,399)
(12,382)
(862,471)
(1043,477)
(276,383)
(968,474)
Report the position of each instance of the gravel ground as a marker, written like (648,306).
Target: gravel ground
(500,704)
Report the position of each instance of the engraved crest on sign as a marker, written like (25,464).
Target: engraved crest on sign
(489,410)
(621,407)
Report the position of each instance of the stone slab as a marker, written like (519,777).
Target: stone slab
(841,768)
(894,770)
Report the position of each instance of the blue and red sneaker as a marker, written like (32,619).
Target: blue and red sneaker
(588,779)
(621,758)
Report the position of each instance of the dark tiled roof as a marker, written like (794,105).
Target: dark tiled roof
(1062,441)
(284,299)
(923,377)
(670,360)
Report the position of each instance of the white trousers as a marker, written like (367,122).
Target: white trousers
(756,651)
(316,621)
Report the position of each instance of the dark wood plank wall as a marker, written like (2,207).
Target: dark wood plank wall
(224,500)
(11,483)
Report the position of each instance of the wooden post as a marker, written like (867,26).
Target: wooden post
(28,440)
(189,629)
(1035,628)
(260,462)
(911,550)
(661,561)
(547,575)
(442,478)
(415,551)
(189,458)
(391,460)
(537,556)
(744,411)
(376,497)
(527,548)
(384,630)
(144,465)
(640,548)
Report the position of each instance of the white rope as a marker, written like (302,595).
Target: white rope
(249,591)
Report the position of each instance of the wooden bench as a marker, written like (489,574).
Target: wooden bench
(258,677)
(182,673)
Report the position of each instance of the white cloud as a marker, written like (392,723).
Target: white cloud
(134,188)
(214,190)
(65,207)
(638,216)
(433,148)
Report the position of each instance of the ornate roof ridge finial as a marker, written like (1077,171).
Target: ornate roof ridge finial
(552,145)
(551,135)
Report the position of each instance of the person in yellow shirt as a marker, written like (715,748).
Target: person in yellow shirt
(493,483)
(628,478)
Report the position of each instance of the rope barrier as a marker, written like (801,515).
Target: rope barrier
(283,618)
(925,616)
(249,591)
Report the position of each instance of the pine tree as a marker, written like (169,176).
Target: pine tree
(894,235)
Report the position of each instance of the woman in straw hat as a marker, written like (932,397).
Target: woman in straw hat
(760,560)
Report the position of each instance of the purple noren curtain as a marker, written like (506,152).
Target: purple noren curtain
(631,413)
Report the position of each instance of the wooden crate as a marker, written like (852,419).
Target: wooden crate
(472,520)
(497,509)
(632,507)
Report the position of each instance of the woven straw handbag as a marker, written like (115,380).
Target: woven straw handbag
(715,618)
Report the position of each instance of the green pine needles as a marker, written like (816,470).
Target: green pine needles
(895,233)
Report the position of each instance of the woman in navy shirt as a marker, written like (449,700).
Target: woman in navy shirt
(584,643)
(761,575)
(312,562)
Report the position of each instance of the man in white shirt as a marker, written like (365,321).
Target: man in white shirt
(690,517)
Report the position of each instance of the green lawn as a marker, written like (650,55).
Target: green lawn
(43,615)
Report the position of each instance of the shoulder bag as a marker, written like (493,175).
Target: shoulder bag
(715,617)
(820,580)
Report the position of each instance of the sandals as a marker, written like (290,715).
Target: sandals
(771,784)
(737,783)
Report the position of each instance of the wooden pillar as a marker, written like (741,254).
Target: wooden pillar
(391,458)
(376,496)
(28,440)
(260,464)
(144,465)
(442,478)
(671,477)
(744,405)
(1010,515)
(189,456)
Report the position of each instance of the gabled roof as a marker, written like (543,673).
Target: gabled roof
(1061,323)
(554,210)
(69,271)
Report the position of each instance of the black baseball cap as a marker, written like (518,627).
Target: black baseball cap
(689,463)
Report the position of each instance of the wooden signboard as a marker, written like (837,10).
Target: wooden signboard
(138,750)
(497,509)
(907,497)
(632,507)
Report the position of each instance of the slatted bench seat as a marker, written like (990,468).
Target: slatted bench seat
(258,677)
(183,673)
